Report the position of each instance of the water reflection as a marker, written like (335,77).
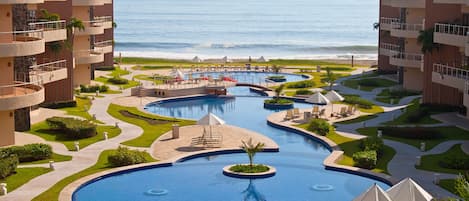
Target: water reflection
(252,194)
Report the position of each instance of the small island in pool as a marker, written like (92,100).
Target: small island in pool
(276,78)
(276,102)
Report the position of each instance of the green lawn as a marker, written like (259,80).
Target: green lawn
(52,194)
(81,110)
(449,185)
(431,162)
(152,67)
(385,96)
(351,146)
(358,120)
(104,80)
(22,176)
(410,110)
(150,132)
(158,79)
(55,157)
(118,72)
(354,83)
(448,133)
(42,130)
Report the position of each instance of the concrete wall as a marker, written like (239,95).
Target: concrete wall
(413,79)
(81,75)
(106,10)
(7,136)
(385,37)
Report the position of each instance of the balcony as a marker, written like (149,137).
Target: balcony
(9,2)
(88,56)
(20,95)
(388,49)
(53,30)
(449,34)
(22,43)
(94,27)
(48,72)
(405,30)
(104,46)
(404,3)
(450,76)
(106,21)
(89,2)
(405,59)
(386,22)
(463,2)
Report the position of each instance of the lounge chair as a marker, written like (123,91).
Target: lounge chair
(322,112)
(296,112)
(315,110)
(289,115)
(343,112)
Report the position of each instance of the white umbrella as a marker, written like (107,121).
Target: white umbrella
(179,74)
(210,120)
(261,59)
(226,60)
(408,190)
(196,59)
(333,96)
(318,98)
(374,193)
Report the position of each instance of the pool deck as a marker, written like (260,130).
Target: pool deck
(167,148)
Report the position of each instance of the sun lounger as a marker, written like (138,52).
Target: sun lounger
(343,112)
(296,112)
(322,112)
(289,115)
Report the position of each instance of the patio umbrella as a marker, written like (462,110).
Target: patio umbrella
(196,59)
(226,60)
(374,193)
(210,120)
(318,98)
(408,190)
(333,96)
(261,59)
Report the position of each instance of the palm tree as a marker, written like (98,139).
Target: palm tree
(278,91)
(330,77)
(276,68)
(425,38)
(75,23)
(55,47)
(251,149)
(45,14)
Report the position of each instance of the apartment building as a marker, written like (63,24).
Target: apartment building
(439,70)
(43,60)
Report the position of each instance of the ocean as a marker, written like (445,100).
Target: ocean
(289,29)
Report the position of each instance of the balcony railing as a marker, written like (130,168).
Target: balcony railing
(389,49)
(49,25)
(407,26)
(20,95)
(407,56)
(22,43)
(452,1)
(93,27)
(89,56)
(103,18)
(103,43)
(386,22)
(451,71)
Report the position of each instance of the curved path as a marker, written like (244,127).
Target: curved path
(82,159)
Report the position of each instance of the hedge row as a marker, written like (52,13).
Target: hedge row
(355,100)
(455,162)
(125,156)
(29,152)
(59,104)
(118,80)
(93,88)
(421,133)
(319,126)
(8,164)
(301,84)
(73,128)
(303,92)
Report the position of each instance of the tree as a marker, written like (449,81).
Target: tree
(425,38)
(75,23)
(55,47)
(251,149)
(462,186)
(279,90)
(276,68)
(46,15)
(330,77)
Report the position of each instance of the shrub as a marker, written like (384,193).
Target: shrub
(300,84)
(412,132)
(59,104)
(125,156)
(355,100)
(30,152)
(105,68)
(416,116)
(93,88)
(369,82)
(402,93)
(118,80)
(8,165)
(455,162)
(319,126)
(365,159)
(303,92)
(372,144)
(280,101)
(73,128)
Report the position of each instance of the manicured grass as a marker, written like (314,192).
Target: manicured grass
(432,162)
(449,185)
(22,176)
(131,83)
(386,96)
(55,157)
(118,72)
(374,110)
(158,78)
(412,108)
(448,133)
(354,83)
(150,132)
(358,120)
(52,194)
(256,168)
(42,130)
(319,78)
(155,67)
(81,110)
(351,146)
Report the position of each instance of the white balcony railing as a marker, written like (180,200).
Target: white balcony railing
(103,43)
(22,43)
(407,56)
(406,26)
(451,71)
(103,18)
(386,22)
(388,49)
(48,25)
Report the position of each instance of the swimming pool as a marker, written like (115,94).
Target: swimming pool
(249,77)
(300,173)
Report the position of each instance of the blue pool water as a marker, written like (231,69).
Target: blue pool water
(299,165)
(250,77)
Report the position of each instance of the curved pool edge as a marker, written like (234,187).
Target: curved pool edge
(67,193)
(330,162)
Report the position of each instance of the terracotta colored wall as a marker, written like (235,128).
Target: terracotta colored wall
(436,93)
(106,10)
(413,79)
(385,37)
(7,136)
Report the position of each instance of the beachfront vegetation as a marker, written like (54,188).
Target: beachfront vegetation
(330,78)
(251,150)
(368,84)
(43,130)
(101,165)
(153,125)
(453,161)
(124,156)
(444,134)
